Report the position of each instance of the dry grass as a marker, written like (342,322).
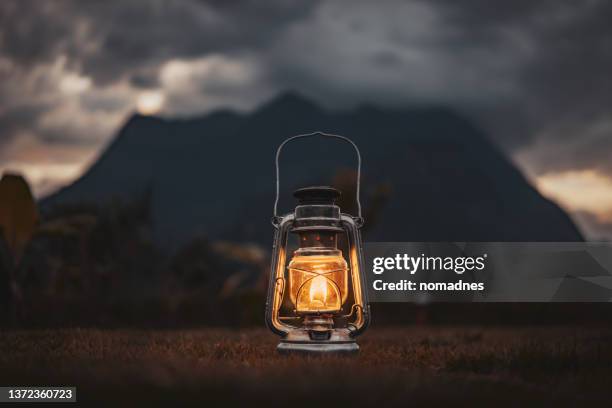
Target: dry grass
(403,366)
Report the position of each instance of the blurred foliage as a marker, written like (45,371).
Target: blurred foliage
(18,219)
(93,264)
(18,213)
(97,265)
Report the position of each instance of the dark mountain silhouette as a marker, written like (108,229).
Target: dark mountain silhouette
(214,175)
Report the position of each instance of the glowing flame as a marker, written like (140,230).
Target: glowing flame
(318,291)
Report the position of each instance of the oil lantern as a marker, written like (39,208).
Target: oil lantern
(317,300)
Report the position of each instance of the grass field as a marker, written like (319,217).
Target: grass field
(396,366)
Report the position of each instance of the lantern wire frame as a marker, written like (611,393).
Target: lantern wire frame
(359,311)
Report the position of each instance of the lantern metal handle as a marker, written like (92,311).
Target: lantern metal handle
(359,218)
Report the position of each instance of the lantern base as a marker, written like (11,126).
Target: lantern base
(308,341)
(286,347)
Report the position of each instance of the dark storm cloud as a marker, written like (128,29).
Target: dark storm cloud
(108,39)
(535,74)
(13,120)
(571,41)
(31,33)
(565,85)
(575,58)
(111,41)
(144,80)
(550,60)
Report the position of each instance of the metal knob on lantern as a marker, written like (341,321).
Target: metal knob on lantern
(317,300)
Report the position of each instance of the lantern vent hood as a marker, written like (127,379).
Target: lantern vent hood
(317,195)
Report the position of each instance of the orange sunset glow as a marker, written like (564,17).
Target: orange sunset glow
(585,190)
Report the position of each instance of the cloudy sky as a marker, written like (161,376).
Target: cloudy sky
(534,74)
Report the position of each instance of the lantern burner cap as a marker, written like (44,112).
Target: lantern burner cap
(324,195)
